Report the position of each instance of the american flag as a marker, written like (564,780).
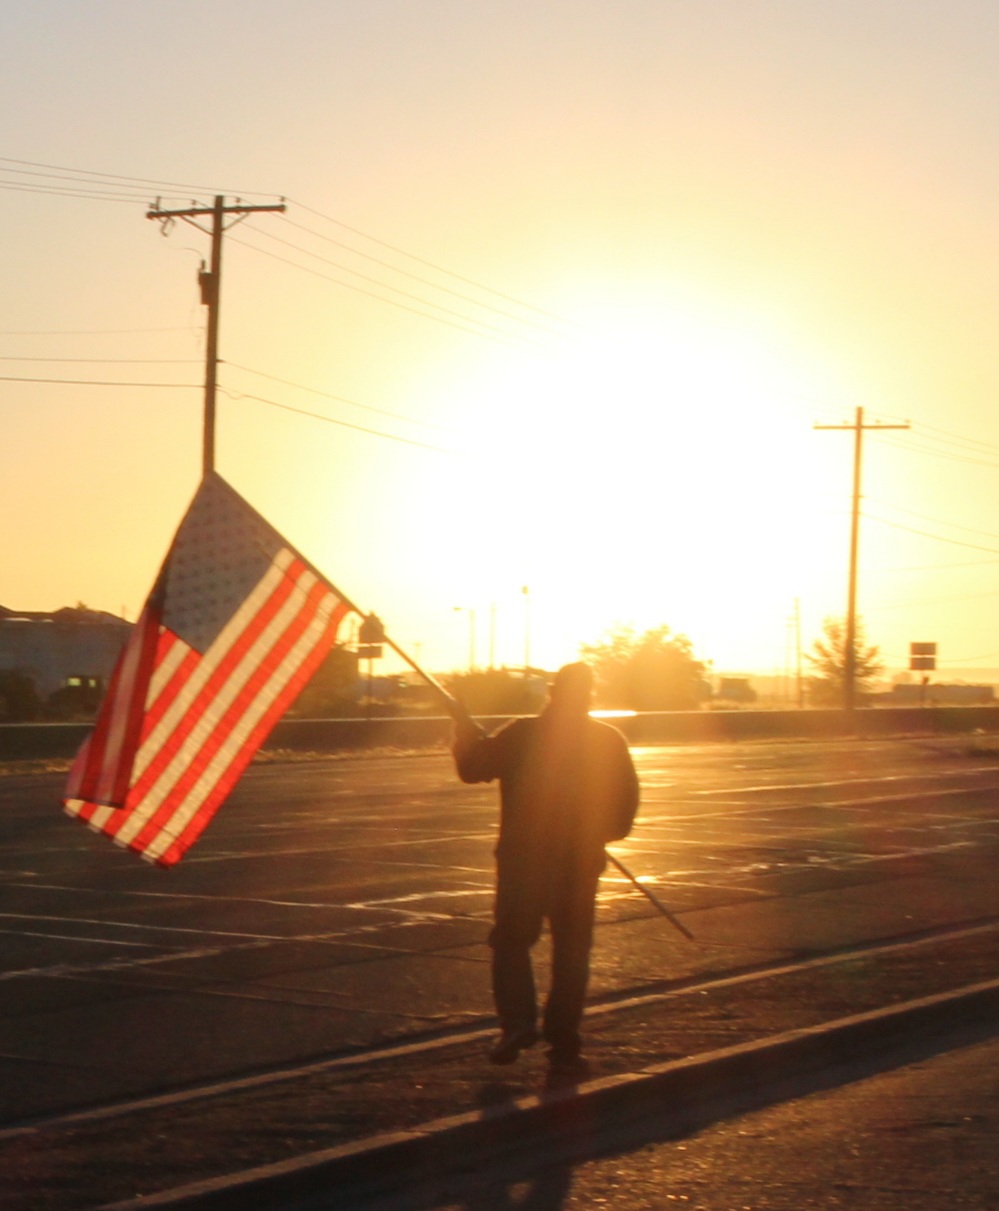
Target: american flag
(235,626)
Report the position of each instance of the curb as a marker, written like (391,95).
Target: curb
(681,1095)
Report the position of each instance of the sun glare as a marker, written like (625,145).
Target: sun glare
(652,469)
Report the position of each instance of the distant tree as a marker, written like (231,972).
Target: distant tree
(496,692)
(334,688)
(828,659)
(654,671)
(19,700)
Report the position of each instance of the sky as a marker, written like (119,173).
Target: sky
(560,294)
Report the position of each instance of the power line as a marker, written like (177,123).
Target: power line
(939,520)
(430,264)
(94,185)
(945,454)
(408,441)
(116,361)
(955,542)
(83,195)
(137,181)
(90,382)
(386,285)
(414,276)
(506,338)
(342,399)
(86,331)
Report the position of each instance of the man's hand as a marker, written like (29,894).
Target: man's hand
(466,730)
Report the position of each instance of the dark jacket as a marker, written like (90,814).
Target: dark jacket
(567,787)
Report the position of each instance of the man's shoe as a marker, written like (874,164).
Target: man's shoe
(566,1069)
(511,1044)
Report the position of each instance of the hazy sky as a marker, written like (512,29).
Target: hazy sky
(588,274)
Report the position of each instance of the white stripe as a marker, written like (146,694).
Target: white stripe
(234,741)
(161,675)
(209,662)
(100,817)
(166,669)
(207,722)
(220,762)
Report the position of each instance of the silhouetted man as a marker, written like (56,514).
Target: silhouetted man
(567,787)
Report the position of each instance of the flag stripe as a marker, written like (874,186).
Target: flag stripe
(127,722)
(222,762)
(196,825)
(196,696)
(97,775)
(234,696)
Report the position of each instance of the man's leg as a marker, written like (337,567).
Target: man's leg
(518,926)
(571,915)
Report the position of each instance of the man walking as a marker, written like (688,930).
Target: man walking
(567,787)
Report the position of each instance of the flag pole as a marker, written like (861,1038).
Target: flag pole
(454,707)
(677,924)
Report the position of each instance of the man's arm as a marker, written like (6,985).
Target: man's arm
(621,817)
(470,747)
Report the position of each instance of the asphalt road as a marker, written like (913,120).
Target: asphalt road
(919,1138)
(344,903)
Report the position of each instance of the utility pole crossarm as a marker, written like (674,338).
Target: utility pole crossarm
(210,282)
(854,425)
(191,212)
(850,650)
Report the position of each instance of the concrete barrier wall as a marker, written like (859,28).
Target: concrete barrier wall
(61,740)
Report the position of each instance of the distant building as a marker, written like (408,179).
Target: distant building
(66,656)
(737,690)
(911,694)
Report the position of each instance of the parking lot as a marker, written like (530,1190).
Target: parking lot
(344,903)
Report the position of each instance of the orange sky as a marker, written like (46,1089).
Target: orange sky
(676,237)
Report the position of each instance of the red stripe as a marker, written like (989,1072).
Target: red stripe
(209,691)
(83,778)
(232,774)
(136,706)
(254,687)
(122,697)
(155,710)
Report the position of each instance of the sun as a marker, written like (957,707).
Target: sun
(653,466)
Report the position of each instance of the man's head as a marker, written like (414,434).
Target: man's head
(572,689)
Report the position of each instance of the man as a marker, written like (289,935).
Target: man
(567,787)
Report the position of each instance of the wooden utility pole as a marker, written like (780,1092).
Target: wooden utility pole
(850,652)
(210,281)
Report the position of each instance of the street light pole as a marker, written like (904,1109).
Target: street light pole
(527,627)
(471,634)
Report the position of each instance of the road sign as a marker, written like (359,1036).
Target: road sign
(922,655)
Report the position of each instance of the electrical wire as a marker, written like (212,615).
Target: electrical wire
(910,447)
(85,332)
(429,264)
(925,517)
(374,281)
(88,184)
(26,165)
(116,361)
(413,276)
(341,399)
(91,382)
(408,441)
(926,534)
(464,327)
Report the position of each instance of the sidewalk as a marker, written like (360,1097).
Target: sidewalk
(703,1050)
